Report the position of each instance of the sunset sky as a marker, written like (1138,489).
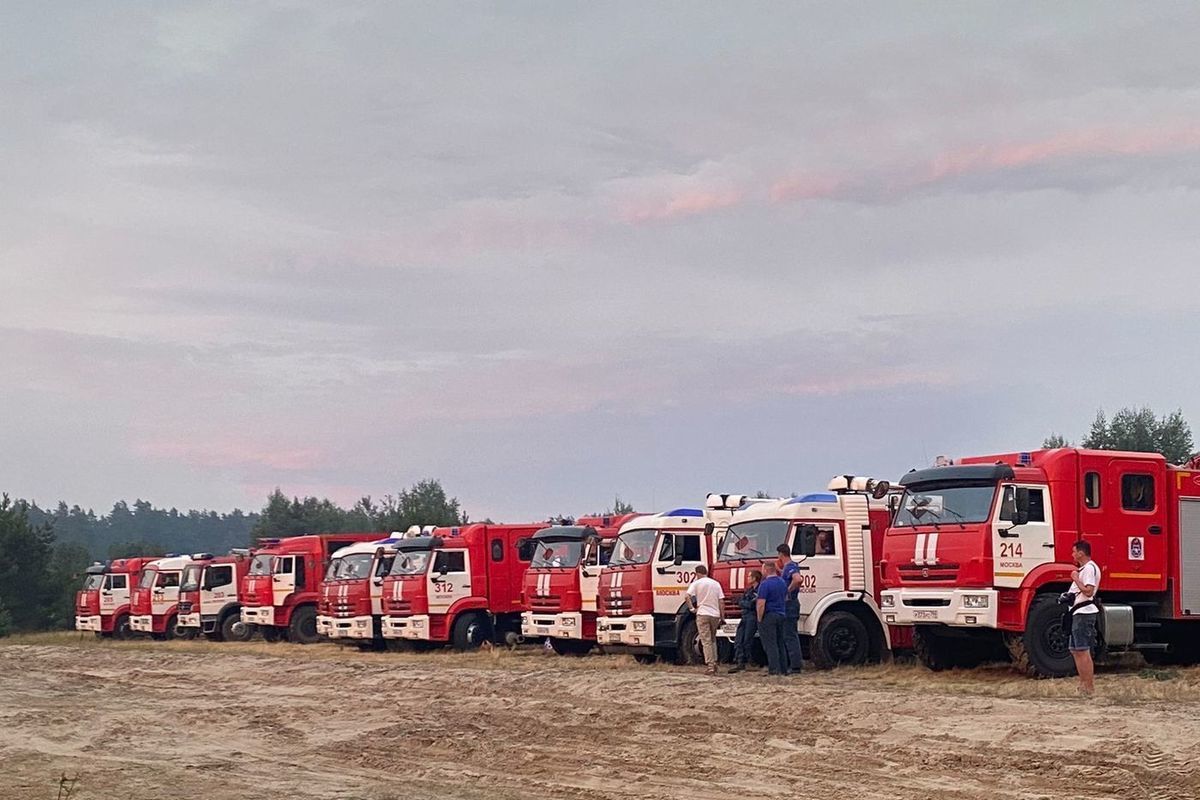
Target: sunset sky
(553,252)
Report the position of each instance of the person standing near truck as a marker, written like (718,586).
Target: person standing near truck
(789,571)
(743,641)
(1085,580)
(705,597)
(772,619)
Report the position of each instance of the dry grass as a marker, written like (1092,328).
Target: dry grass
(1127,683)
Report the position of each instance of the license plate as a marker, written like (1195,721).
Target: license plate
(924,615)
(543,631)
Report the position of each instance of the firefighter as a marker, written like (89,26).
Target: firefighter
(743,642)
(790,572)
(772,619)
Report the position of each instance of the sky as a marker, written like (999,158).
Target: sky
(549,253)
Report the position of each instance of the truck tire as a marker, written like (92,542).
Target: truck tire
(1041,651)
(470,631)
(232,629)
(841,640)
(270,633)
(934,652)
(688,651)
(303,626)
(645,659)
(121,627)
(570,647)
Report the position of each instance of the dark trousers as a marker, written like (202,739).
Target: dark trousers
(771,630)
(791,640)
(743,641)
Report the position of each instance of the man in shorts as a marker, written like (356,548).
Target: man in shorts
(1085,580)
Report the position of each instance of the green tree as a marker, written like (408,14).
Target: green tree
(425,503)
(282,517)
(1055,440)
(1139,430)
(619,507)
(25,552)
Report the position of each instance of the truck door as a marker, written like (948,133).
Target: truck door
(594,559)
(674,569)
(449,579)
(1018,550)
(821,571)
(217,588)
(114,593)
(165,593)
(283,579)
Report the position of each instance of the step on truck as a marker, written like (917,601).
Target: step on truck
(154,602)
(102,605)
(980,551)
(280,591)
(351,605)
(836,538)
(561,585)
(459,586)
(642,608)
(208,597)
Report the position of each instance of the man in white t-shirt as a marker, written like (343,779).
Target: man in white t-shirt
(1085,580)
(705,596)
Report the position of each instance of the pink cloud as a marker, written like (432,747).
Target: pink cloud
(687,203)
(230,453)
(808,187)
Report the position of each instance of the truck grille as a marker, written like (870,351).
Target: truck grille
(185,607)
(545,602)
(614,605)
(730,607)
(919,573)
(343,610)
(398,607)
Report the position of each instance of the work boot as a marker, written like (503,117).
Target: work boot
(736,668)
(711,670)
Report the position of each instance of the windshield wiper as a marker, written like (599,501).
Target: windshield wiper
(961,519)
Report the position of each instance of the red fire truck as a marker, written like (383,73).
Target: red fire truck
(980,552)
(154,602)
(642,609)
(208,598)
(351,604)
(279,593)
(102,605)
(460,585)
(836,537)
(560,587)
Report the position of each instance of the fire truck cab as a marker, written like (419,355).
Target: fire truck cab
(102,605)
(279,593)
(980,552)
(836,537)
(562,582)
(642,608)
(460,585)
(154,602)
(351,605)
(208,597)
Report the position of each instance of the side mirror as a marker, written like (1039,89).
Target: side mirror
(678,560)
(1021,511)
(709,527)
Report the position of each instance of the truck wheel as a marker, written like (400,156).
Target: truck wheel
(303,627)
(234,630)
(570,647)
(933,651)
(121,627)
(841,639)
(1042,651)
(645,658)
(688,652)
(186,634)
(470,631)
(270,633)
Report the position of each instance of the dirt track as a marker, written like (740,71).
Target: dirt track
(196,720)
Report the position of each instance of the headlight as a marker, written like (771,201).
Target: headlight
(418,623)
(887,601)
(975,601)
(568,622)
(639,626)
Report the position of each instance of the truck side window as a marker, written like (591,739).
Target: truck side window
(688,546)
(1137,492)
(117,581)
(526,549)
(1091,490)
(667,551)
(168,580)
(299,570)
(450,561)
(497,550)
(1037,506)
(815,540)
(215,577)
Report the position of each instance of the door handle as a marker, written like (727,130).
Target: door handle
(1048,544)
(1008,534)
(1155,529)
(837,574)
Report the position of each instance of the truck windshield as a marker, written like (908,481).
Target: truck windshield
(412,562)
(757,539)
(261,565)
(148,578)
(633,547)
(565,553)
(93,582)
(350,568)
(191,578)
(939,505)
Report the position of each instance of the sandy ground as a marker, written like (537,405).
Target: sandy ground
(209,721)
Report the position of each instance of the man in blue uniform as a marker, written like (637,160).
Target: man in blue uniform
(790,572)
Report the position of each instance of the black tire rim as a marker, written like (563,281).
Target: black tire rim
(308,628)
(843,644)
(1056,640)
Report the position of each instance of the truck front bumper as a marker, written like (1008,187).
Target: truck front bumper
(567,625)
(258,615)
(189,620)
(142,623)
(961,608)
(415,627)
(635,631)
(346,627)
(91,623)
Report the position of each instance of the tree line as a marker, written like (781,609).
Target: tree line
(1137,430)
